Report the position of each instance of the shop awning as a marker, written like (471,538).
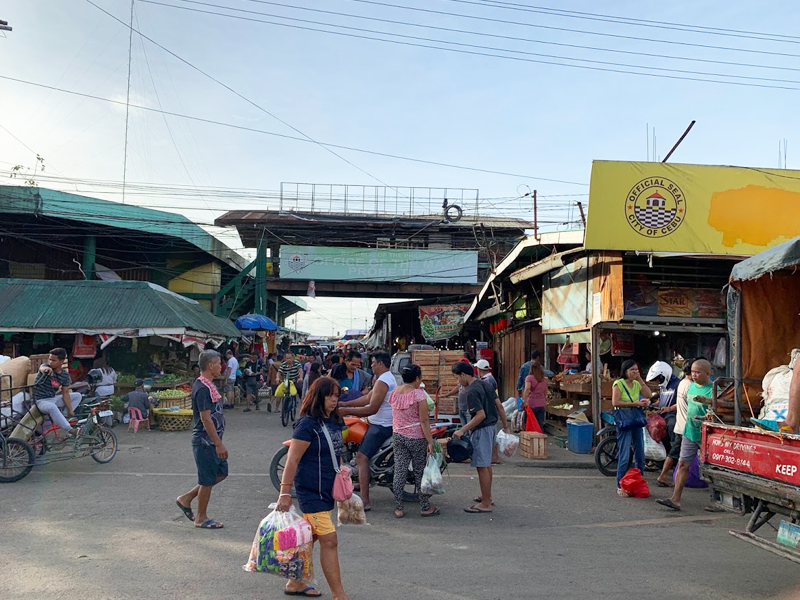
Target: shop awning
(121,308)
(785,256)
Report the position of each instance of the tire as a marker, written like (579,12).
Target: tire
(105,450)
(285,410)
(18,462)
(276,469)
(294,408)
(605,456)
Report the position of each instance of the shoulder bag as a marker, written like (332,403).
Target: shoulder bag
(629,418)
(342,483)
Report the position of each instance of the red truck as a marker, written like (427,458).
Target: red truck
(750,470)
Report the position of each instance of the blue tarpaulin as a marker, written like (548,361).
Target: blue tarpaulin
(255,323)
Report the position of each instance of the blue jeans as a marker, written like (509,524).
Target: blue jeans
(624,441)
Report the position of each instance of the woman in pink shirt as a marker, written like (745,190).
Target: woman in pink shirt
(535,392)
(413,441)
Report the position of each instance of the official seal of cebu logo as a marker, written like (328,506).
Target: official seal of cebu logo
(655,207)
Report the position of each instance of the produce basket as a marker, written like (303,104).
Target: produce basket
(170,398)
(173,420)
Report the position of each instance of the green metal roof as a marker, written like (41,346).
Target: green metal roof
(103,307)
(63,205)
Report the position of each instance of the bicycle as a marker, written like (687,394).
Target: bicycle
(289,404)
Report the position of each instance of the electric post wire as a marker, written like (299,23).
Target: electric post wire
(127,107)
(251,102)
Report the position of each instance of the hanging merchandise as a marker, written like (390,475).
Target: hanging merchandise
(622,344)
(84,346)
(569,354)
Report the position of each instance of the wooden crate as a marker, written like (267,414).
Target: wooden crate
(448,405)
(37,360)
(532,445)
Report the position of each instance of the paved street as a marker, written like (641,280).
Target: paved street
(83,530)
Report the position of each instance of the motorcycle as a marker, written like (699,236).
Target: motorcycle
(381,466)
(606,451)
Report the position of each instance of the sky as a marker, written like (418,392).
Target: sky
(518,113)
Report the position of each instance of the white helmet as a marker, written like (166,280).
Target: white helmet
(659,368)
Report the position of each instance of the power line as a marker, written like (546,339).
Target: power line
(295,138)
(581,31)
(769,37)
(496,36)
(440,41)
(230,89)
(476,53)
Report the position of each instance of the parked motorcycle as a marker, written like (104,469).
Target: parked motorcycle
(381,465)
(606,451)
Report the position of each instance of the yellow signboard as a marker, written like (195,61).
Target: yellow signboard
(661,207)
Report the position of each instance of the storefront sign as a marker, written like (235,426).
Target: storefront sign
(685,303)
(659,207)
(84,346)
(323,263)
(441,321)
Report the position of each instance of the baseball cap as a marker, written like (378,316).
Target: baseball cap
(483,365)
(138,383)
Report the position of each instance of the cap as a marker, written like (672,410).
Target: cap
(483,365)
(138,383)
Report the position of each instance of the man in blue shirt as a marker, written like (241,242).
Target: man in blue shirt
(525,370)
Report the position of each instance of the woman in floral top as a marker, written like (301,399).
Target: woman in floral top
(413,441)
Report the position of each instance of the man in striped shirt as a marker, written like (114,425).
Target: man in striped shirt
(289,368)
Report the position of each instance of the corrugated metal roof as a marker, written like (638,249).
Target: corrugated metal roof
(73,207)
(35,304)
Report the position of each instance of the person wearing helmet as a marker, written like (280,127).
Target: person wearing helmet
(668,384)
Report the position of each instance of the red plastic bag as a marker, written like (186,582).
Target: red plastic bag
(657,427)
(531,423)
(633,484)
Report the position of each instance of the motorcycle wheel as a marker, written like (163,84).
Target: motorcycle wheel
(276,469)
(105,449)
(16,461)
(605,456)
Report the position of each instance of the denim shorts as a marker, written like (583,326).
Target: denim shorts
(482,440)
(209,466)
(373,440)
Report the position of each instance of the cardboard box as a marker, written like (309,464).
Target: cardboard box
(532,445)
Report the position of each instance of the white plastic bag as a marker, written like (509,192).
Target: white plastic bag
(432,480)
(351,511)
(272,551)
(507,443)
(509,406)
(653,450)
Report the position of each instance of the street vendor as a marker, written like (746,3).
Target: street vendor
(138,398)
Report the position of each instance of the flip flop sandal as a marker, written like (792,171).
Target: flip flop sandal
(187,510)
(668,503)
(479,500)
(431,514)
(666,485)
(399,514)
(210,524)
(303,592)
(474,511)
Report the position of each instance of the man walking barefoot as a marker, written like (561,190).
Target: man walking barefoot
(210,454)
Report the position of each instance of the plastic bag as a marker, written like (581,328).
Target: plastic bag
(507,443)
(430,402)
(432,480)
(531,424)
(509,405)
(657,427)
(653,450)
(695,479)
(351,511)
(633,484)
(272,550)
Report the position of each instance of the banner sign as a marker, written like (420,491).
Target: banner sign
(441,321)
(654,301)
(322,263)
(660,207)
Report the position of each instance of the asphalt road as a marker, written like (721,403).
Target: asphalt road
(81,530)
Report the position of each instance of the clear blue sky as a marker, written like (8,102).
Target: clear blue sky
(527,118)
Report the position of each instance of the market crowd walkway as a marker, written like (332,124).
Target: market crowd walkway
(82,530)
